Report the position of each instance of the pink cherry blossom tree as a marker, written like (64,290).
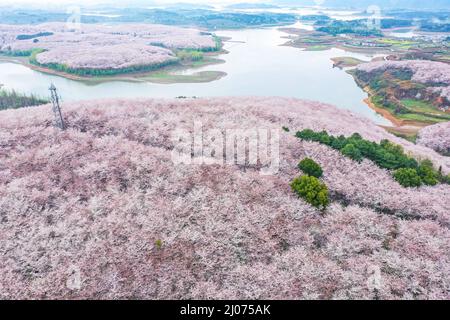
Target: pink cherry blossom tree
(101,211)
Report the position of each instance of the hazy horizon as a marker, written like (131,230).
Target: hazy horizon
(411,4)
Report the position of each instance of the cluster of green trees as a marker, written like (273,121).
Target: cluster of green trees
(217,47)
(396,23)
(13,100)
(16,53)
(309,187)
(432,26)
(358,27)
(190,55)
(101,72)
(387,155)
(33,36)
(315,17)
(22,53)
(219,43)
(311,168)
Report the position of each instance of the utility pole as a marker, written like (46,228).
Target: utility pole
(59,121)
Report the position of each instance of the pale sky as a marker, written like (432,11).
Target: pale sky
(93,2)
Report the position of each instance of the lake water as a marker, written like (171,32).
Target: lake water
(259,66)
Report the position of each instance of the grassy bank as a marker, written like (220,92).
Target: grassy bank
(197,77)
(394,95)
(167,74)
(412,110)
(346,62)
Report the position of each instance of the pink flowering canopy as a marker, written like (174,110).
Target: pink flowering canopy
(100,210)
(102,46)
(436,137)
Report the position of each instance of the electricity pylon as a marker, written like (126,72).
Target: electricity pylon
(59,121)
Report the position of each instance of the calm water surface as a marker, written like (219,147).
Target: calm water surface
(257,65)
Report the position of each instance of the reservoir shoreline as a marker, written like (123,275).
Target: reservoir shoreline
(254,63)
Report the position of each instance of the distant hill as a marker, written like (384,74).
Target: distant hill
(188,6)
(252,6)
(208,19)
(362,4)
